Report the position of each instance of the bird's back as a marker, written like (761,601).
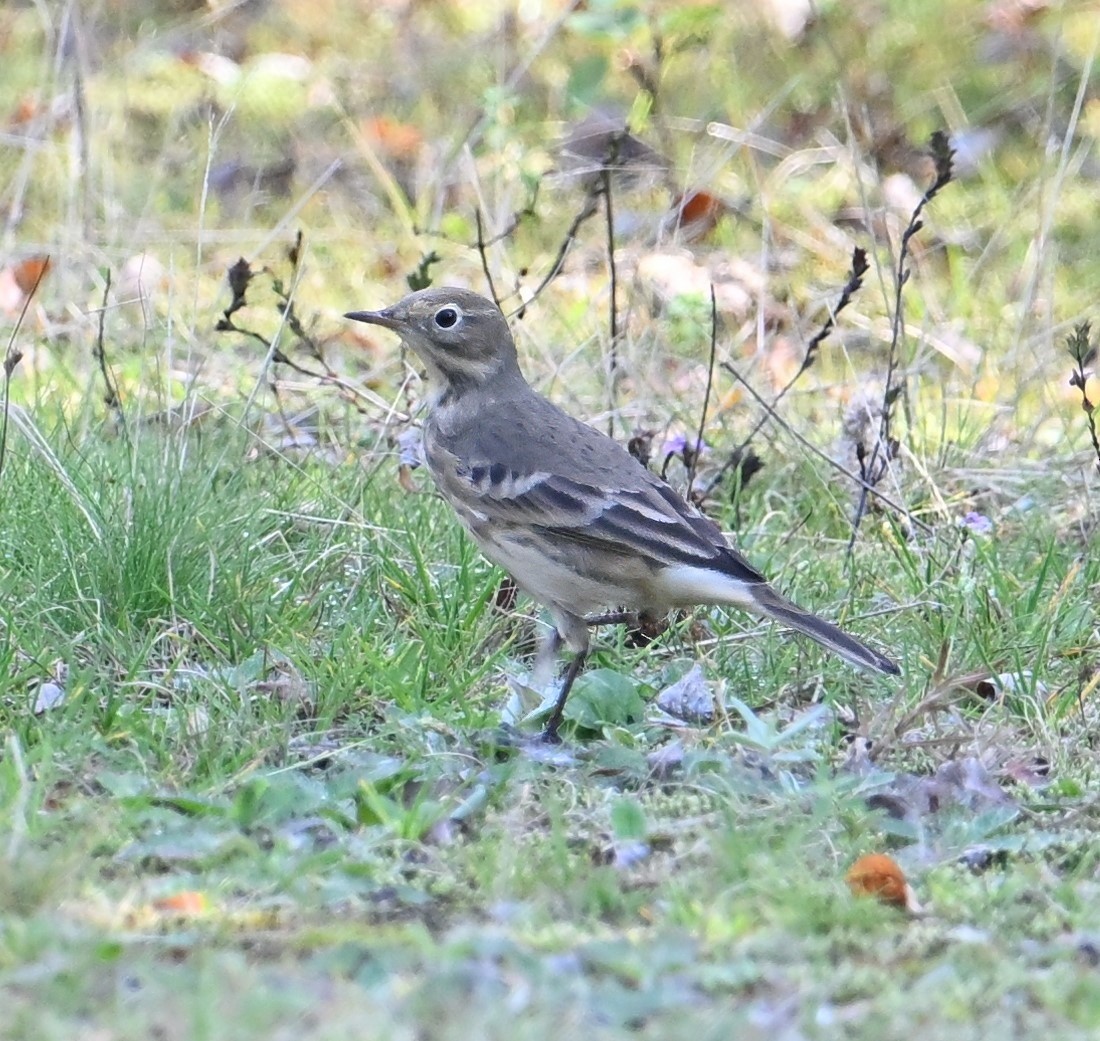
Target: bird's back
(533,463)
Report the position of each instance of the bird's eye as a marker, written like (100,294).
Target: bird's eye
(447,317)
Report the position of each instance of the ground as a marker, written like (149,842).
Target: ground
(262,703)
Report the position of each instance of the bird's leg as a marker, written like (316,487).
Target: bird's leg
(549,733)
(545,667)
(642,627)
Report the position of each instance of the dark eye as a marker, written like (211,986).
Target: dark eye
(446,317)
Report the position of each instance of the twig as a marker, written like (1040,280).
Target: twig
(586,211)
(851,286)
(110,391)
(693,463)
(517,218)
(599,185)
(482,252)
(349,391)
(12,357)
(868,488)
(613,310)
(286,300)
(942,155)
(239,277)
(1083,356)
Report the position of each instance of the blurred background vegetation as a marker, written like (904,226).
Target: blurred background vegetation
(157,142)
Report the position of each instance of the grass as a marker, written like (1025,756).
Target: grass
(298,727)
(275,799)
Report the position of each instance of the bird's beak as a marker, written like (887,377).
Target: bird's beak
(382,318)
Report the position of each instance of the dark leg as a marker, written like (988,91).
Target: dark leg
(549,734)
(545,668)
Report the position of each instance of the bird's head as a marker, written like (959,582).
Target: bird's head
(461,337)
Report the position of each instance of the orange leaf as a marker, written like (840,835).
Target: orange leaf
(695,214)
(397,140)
(879,876)
(29,108)
(700,205)
(189,902)
(28,272)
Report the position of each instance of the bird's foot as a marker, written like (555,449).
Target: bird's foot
(549,735)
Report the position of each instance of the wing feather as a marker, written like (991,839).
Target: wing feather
(648,520)
(565,480)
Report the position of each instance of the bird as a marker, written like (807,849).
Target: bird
(577,521)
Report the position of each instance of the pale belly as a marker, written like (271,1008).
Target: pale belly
(580,586)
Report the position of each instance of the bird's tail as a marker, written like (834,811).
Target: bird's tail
(769,602)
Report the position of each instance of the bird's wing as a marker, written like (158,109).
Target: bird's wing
(565,479)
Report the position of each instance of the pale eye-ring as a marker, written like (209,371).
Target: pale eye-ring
(447,317)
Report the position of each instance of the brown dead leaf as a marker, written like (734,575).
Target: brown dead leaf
(396,140)
(27,109)
(958,783)
(601,141)
(694,215)
(1033,771)
(689,698)
(188,904)
(17,282)
(287,684)
(28,273)
(879,876)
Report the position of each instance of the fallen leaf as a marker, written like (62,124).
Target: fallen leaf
(17,282)
(410,448)
(27,109)
(396,140)
(602,141)
(29,272)
(879,876)
(666,760)
(50,695)
(694,215)
(188,903)
(689,698)
(1033,771)
(51,692)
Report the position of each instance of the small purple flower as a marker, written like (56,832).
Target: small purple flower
(977,523)
(678,445)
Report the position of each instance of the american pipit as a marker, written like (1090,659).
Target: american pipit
(571,515)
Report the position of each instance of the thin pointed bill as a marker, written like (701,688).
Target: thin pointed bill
(382,318)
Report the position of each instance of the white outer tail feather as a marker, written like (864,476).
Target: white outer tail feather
(685,586)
